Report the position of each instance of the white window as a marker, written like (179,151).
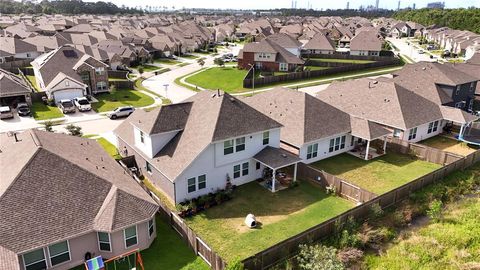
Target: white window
(283,67)
(67,83)
(148,166)
(312,151)
(266,137)
(257,166)
(104,241)
(34,260)
(458,90)
(130,236)
(337,144)
(151,227)
(202,181)
(412,134)
(227,147)
(59,253)
(99,70)
(236,171)
(432,127)
(191,185)
(239,144)
(142,137)
(397,132)
(245,169)
(101,86)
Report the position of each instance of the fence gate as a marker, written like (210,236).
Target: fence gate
(204,251)
(350,191)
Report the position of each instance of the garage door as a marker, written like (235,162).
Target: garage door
(67,94)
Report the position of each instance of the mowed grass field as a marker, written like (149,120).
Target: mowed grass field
(228,79)
(281,215)
(379,175)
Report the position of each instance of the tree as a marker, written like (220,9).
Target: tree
(48,125)
(74,130)
(219,62)
(201,62)
(140,70)
(435,210)
(318,257)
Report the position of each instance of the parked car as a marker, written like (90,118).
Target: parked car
(82,104)
(6,112)
(67,106)
(121,112)
(23,109)
(420,52)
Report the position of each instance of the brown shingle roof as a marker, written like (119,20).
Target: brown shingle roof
(320,42)
(276,158)
(11,84)
(55,186)
(304,117)
(211,118)
(366,41)
(367,130)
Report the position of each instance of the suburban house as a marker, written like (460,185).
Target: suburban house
(13,48)
(401,29)
(64,199)
(315,130)
(471,67)
(13,89)
(319,44)
(268,55)
(67,73)
(366,43)
(199,146)
(408,115)
(440,83)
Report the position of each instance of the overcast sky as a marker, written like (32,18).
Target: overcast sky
(271,4)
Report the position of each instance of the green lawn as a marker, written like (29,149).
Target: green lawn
(379,175)
(189,56)
(316,68)
(117,79)
(121,97)
(33,81)
(109,148)
(167,61)
(282,215)
(167,252)
(227,79)
(41,111)
(452,243)
(139,86)
(147,68)
(350,61)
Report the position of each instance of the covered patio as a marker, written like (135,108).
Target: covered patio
(363,133)
(274,160)
(469,125)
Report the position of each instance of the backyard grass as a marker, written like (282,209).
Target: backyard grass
(449,145)
(350,61)
(121,97)
(227,79)
(316,68)
(379,175)
(452,243)
(33,81)
(166,61)
(41,111)
(281,215)
(109,148)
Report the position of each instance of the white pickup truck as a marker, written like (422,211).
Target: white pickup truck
(82,104)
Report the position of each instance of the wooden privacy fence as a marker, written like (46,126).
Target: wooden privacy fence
(293,76)
(289,247)
(13,66)
(346,57)
(342,187)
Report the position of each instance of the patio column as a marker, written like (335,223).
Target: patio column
(295,173)
(461,131)
(385,144)
(273,180)
(367,150)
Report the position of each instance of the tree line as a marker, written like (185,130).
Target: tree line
(64,7)
(461,19)
(337,12)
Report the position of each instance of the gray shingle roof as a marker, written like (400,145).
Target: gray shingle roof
(276,158)
(55,187)
(11,84)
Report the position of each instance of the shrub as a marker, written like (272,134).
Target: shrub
(318,257)
(375,211)
(219,62)
(350,256)
(48,125)
(140,70)
(330,189)
(435,210)
(398,219)
(236,264)
(74,130)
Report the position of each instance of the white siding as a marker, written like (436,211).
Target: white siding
(160,140)
(323,147)
(422,132)
(146,146)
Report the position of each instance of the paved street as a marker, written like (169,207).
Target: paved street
(410,51)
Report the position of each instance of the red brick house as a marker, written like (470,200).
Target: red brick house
(268,55)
